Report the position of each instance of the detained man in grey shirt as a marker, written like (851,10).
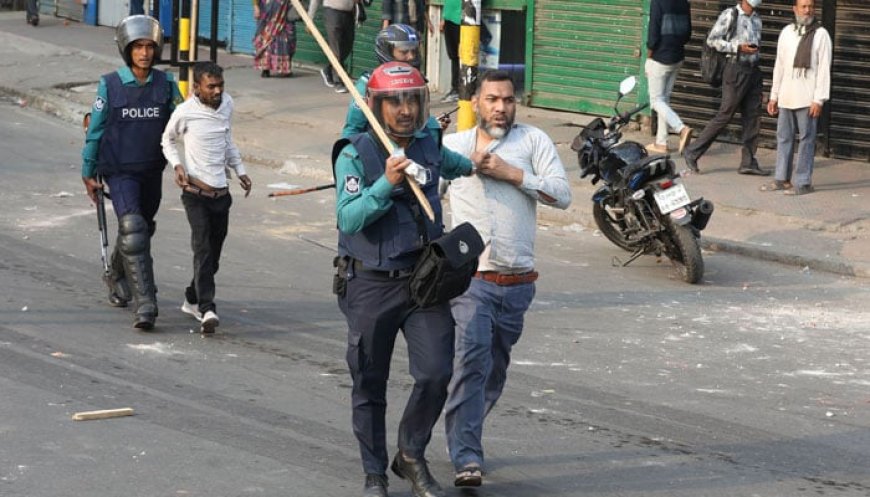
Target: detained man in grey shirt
(203,123)
(520,168)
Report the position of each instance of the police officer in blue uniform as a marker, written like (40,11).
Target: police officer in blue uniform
(122,145)
(381,234)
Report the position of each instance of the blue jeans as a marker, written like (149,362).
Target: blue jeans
(785,128)
(489,321)
(661,84)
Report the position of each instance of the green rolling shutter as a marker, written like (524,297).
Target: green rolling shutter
(581,50)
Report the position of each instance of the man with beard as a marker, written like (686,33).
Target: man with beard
(801,86)
(519,168)
(204,123)
(122,145)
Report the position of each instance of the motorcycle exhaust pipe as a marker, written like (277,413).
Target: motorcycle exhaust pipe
(702,215)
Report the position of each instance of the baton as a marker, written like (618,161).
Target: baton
(348,83)
(447,114)
(299,191)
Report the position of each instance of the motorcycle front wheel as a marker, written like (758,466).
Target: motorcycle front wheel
(684,251)
(612,226)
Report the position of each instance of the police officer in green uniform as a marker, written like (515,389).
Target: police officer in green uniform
(381,234)
(122,145)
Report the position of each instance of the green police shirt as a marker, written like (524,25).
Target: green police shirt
(357,205)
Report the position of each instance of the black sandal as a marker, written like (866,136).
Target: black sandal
(469,476)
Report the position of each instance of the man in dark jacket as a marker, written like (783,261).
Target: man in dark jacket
(670,27)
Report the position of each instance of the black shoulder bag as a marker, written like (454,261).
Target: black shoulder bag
(445,268)
(713,61)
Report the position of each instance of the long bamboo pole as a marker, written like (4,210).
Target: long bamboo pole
(360,102)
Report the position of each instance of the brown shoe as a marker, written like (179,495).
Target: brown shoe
(799,190)
(685,138)
(656,149)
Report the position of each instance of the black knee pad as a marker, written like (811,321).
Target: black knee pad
(133,237)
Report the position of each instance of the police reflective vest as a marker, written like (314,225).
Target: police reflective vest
(395,240)
(137,116)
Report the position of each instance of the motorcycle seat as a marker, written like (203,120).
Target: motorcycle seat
(650,167)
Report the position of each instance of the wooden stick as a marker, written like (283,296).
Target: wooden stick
(299,191)
(104,414)
(360,102)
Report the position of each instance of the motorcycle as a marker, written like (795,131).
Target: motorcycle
(643,206)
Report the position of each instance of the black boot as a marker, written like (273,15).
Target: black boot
(135,246)
(116,280)
(376,486)
(417,473)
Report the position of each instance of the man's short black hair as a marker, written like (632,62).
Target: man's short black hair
(493,75)
(207,67)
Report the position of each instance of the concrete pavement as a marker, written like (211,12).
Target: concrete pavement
(291,124)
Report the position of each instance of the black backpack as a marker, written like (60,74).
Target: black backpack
(713,61)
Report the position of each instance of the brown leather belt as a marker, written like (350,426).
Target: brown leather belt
(507,279)
(216,193)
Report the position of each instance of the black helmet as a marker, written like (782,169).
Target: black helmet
(399,36)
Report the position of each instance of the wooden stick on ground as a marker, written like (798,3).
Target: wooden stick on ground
(360,102)
(103,414)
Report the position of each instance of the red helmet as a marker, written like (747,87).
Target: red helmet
(400,82)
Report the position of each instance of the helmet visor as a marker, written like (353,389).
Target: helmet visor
(401,112)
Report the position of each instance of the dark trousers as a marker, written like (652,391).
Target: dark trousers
(340,28)
(451,43)
(209,219)
(32,9)
(741,90)
(136,194)
(376,308)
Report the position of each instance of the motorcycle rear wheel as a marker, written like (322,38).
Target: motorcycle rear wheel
(612,229)
(684,251)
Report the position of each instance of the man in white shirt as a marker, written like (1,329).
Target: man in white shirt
(520,168)
(203,122)
(801,86)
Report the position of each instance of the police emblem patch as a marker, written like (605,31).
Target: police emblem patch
(99,104)
(351,184)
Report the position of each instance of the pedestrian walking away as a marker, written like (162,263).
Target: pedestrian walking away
(451,21)
(122,145)
(520,168)
(31,8)
(204,124)
(741,86)
(670,28)
(275,38)
(411,12)
(801,86)
(382,232)
(339,19)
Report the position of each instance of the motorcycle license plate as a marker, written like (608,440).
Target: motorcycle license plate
(672,198)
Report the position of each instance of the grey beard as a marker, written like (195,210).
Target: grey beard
(494,131)
(804,20)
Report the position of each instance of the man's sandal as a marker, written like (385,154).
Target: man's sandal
(775,186)
(469,476)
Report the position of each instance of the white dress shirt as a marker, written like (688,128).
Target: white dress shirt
(208,141)
(504,214)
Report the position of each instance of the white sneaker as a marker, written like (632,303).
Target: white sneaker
(210,321)
(191,309)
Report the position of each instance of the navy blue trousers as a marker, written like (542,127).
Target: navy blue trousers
(376,308)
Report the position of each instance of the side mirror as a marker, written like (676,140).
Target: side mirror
(627,85)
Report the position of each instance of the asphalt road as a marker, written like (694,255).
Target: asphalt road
(626,382)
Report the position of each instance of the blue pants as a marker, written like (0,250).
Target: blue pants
(376,308)
(137,7)
(785,128)
(489,321)
(136,194)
